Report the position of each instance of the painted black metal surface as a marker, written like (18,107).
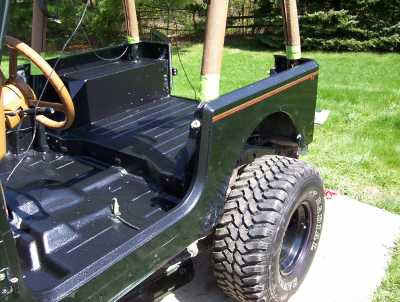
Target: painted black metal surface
(101,87)
(61,199)
(62,215)
(149,140)
(178,272)
(219,146)
(10,266)
(65,195)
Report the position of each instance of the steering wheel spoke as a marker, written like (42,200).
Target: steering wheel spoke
(55,105)
(13,64)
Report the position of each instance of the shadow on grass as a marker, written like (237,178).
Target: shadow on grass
(247,43)
(234,42)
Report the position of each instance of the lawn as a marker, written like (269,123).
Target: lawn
(358,150)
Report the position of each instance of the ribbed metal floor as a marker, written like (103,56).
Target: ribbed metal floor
(64,205)
(157,131)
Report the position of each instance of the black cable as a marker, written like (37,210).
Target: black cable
(127,223)
(101,58)
(25,154)
(183,67)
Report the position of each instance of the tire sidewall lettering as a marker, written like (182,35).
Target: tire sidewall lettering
(287,285)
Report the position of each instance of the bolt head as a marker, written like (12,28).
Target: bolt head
(196,124)
(299,138)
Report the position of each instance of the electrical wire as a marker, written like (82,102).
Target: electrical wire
(178,52)
(101,58)
(26,152)
(127,223)
(112,59)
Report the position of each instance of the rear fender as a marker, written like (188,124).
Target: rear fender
(235,116)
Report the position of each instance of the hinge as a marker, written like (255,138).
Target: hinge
(5,286)
(8,285)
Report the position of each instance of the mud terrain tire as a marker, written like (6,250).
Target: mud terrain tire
(270,229)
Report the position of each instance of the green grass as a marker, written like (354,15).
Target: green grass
(358,150)
(390,287)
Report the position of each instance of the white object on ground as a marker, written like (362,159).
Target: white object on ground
(321,117)
(350,263)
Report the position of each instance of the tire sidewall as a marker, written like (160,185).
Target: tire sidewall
(310,190)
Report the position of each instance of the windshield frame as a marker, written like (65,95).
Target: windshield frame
(4,10)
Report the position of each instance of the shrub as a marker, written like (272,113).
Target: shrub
(355,25)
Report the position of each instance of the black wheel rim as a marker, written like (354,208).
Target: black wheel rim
(295,240)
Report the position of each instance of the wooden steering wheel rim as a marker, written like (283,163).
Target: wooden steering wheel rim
(54,80)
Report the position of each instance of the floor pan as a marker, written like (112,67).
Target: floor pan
(157,132)
(63,218)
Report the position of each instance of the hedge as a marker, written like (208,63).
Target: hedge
(354,25)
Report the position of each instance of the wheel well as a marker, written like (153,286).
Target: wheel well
(275,126)
(278,132)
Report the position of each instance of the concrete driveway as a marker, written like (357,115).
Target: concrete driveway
(350,263)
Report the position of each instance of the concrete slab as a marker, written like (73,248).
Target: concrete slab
(350,263)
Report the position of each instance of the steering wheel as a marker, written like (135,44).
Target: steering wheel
(65,104)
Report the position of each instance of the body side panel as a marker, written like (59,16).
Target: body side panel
(218,148)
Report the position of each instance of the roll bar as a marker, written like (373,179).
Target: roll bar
(132,26)
(214,38)
(291,29)
(213,49)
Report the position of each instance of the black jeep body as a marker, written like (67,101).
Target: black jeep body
(164,158)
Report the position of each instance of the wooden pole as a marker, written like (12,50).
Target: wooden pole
(213,49)
(39,24)
(132,26)
(291,29)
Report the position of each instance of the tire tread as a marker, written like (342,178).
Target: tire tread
(250,220)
